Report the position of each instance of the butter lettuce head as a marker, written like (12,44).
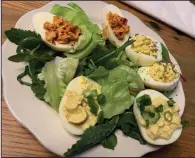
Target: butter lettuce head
(57,74)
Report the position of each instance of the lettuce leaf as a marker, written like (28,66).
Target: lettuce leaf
(116,85)
(57,74)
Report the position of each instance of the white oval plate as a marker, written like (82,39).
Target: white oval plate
(42,121)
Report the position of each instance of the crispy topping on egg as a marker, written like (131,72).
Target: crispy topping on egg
(163,72)
(61,31)
(144,45)
(118,24)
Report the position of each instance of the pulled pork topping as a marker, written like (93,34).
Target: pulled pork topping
(118,25)
(61,31)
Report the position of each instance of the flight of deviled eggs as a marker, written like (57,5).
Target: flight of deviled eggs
(75,111)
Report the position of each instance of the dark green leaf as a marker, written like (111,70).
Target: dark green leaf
(128,125)
(165,54)
(92,136)
(38,89)
(30,42)
(110,142)
(23,74)
(17,35)
(21,57)
(185,123)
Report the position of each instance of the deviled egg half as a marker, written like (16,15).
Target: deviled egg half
(115,25)
(74,110)
(157,117)
(144,51)
(60,34)
(160,76)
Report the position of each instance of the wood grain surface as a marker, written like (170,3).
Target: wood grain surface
(17,141)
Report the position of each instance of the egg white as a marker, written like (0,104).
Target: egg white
(153,94)
(150,82)
(142,59)
(38,21)
(111,36)
(77,87)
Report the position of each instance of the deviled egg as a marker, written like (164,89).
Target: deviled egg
(144,51)
(160,76)
(115,25)
(74,110)
(157,117)
(60,34)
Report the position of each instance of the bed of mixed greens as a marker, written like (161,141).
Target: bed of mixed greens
(51,71)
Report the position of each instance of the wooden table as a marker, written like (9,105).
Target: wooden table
(17,141)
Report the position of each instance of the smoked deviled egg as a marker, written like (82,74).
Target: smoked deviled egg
(157,117)
(115,26)
(60,34)
(160,76)
(74,110)
(144,51)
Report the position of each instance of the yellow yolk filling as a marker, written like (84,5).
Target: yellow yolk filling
(144,45)
(163,72)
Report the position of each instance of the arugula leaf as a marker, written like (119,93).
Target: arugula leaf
(20,57)
(128,125)
(110,142)
(92,136)
(185,123)
(17,35)
(165,54)
(38,89)
(20,76)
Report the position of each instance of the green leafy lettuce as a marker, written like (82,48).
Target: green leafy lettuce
(116,85)
(57,74)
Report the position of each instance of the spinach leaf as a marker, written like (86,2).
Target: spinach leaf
(92,136)
(110,142)
(17,35)
(128,125)
(100,119)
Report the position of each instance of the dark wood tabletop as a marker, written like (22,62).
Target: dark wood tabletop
(17,141)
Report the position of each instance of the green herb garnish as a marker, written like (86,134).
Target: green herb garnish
(159,108)
(143,101)
(101,99)
(93,106)
(171,102)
